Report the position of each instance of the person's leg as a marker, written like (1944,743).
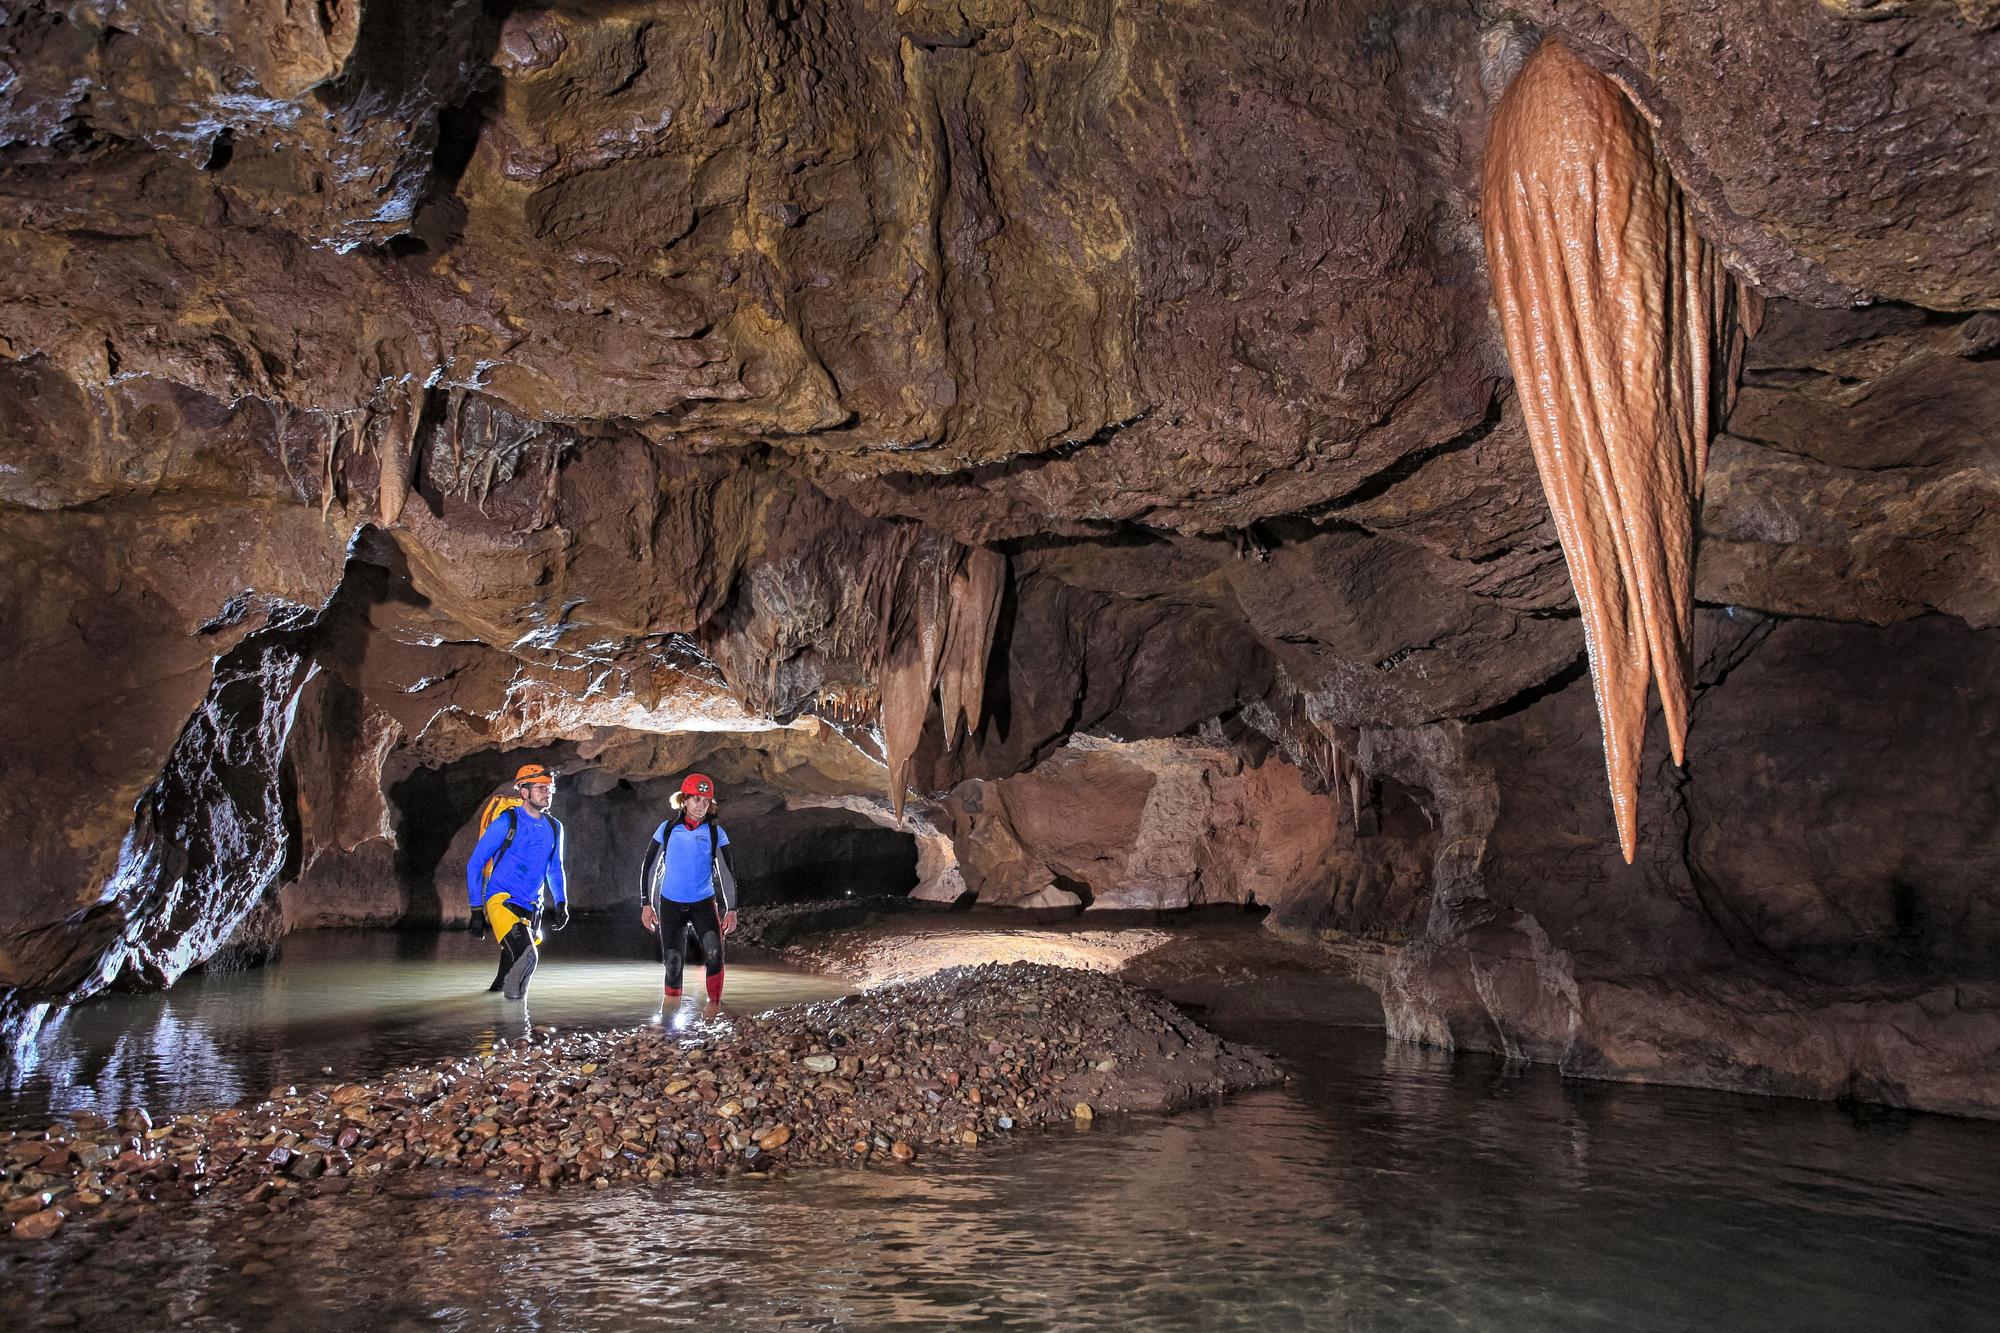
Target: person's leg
(711,949)
(520,947)
(673,941)
(500,919)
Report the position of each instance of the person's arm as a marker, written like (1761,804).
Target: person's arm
(726,880)
(554,878)
(559,907)
(483,851)
(654,852)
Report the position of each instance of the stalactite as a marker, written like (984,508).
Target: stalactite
(396,452)
(1615,313)
(916,631)
(1348,771)
(455,427)
(937,611)
(974,614)
(328,465)
(849,705)
(1324,753)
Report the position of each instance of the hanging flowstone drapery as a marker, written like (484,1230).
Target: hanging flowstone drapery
(1625,334)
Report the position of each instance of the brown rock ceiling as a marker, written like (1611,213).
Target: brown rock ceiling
(393,390)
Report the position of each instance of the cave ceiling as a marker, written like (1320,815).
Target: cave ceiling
(601,370)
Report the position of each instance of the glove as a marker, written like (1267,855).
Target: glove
(558,916)
(476,923)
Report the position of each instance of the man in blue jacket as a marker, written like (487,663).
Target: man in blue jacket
(517,859)
(689,885)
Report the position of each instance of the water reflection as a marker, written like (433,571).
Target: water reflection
(1378,1192)
(356,1002)
(1385,1188)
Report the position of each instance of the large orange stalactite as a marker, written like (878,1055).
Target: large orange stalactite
(1622,329)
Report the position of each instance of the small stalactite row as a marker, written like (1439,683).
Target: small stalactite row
(849,705)
(472,445)
(935,607)
(1324,754)
(391,433)
(1625,336)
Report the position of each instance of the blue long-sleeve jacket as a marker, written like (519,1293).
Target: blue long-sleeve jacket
(533,860)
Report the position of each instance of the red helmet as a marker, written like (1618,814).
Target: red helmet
(698,784)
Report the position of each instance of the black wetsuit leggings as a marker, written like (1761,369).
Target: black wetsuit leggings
(676,920)
(518,956)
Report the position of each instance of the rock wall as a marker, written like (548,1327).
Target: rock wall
(1815,916)
(1168,824)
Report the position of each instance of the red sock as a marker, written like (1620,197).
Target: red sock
(673,994)
(715,984)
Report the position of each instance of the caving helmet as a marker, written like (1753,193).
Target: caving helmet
(694,784)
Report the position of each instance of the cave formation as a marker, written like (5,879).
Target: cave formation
(1080,443)
(1621,328)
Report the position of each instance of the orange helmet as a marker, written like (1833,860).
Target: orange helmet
(529,774)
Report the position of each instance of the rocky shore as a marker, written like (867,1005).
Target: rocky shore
(948,1061)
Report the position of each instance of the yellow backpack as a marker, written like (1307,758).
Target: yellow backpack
(497,805)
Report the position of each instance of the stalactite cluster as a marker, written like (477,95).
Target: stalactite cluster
(844,703)
(1624,333)
(936,644)
(900,622)
(1324,754)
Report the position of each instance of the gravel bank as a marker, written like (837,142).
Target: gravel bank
(943,1062)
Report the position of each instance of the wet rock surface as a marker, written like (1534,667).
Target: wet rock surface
(943,1063)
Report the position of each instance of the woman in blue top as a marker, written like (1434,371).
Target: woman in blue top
(688,884)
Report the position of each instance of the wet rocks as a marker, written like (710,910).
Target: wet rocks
(39,1225)
(946,1062)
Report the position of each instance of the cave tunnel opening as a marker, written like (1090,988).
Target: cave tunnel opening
(783,852)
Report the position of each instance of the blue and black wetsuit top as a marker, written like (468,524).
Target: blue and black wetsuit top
(680,864)
(533,860)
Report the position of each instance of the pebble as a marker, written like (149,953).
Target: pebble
(39,1226)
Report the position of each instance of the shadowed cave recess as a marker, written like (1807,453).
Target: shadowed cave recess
(1061,458)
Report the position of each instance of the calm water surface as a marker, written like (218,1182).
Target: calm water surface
(1385,1188)
(358,1003)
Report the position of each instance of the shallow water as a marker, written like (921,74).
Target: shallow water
(358,1003)
(1385,1189)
